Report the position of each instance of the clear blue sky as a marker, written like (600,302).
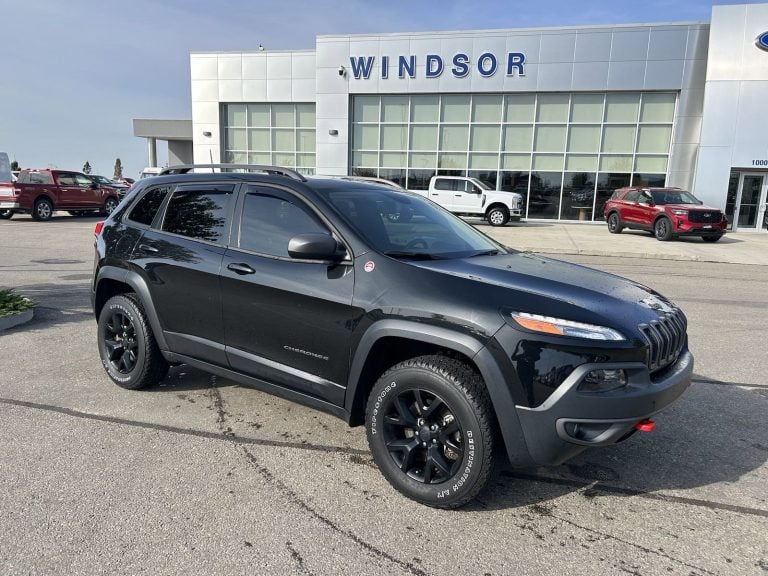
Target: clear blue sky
(78,71)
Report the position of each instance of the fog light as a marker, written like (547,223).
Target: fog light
(603,380)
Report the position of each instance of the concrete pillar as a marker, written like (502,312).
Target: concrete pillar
(152,151)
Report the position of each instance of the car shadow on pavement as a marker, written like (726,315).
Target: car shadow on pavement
(713,435)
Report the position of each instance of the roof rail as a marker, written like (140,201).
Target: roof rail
(186,168)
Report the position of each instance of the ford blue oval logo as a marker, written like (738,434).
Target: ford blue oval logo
(762,41)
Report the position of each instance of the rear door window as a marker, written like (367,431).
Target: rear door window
(200,212)
(445,184)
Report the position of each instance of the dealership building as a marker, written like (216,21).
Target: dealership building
(563,116)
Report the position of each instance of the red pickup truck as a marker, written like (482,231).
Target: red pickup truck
(40,192)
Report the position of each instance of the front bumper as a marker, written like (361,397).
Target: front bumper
(571,420)
(690,229)
(9,205)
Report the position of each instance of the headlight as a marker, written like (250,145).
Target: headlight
(560,327)
(679,212)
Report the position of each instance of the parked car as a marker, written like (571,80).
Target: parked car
(443,342)
(41,192)
(665,212)
(121,187)
(471,197)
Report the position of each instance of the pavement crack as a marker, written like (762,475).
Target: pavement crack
(298,558)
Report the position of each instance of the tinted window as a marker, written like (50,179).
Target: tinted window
(145,209)
(83,181)
(632,196)
(36,178)
(268,223)
(65,179)
(199,212)
(444,184)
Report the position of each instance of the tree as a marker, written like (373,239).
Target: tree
(87,167)
(118,169)
(15,166)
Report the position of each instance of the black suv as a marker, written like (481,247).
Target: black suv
(441,341)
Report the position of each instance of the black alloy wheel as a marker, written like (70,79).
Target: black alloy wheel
(109,206)
(614,223)
(662,229)
(121,342)
(431,430)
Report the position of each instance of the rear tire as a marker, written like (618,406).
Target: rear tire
(431,430)
(714,238)
(109,206)
(42,210)
(497,216)
(614,223)
(662,229)
(127,346)
(6,214)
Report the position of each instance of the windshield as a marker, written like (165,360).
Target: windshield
(404,225)
(673,197)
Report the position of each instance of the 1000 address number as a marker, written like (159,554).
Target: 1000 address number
(759,162)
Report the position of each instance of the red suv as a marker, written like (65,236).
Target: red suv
(665,212)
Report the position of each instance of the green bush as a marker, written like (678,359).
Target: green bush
(12,303)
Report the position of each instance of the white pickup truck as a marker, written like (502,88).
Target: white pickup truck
(471,197)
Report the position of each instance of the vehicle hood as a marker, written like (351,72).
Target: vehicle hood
(691,207)
(551,287)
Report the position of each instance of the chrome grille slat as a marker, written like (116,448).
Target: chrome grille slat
(666,338)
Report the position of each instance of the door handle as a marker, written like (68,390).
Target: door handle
(435,194)
(240,268)
(457,195)
(148,248)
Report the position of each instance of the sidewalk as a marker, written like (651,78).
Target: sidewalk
(595,240)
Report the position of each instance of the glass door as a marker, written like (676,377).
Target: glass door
(750,205)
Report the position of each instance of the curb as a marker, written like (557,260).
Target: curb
(8,322)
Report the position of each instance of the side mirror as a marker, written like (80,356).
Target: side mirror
(93,186)
(315,247)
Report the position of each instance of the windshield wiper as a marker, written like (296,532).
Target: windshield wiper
(485,253)
(412,255)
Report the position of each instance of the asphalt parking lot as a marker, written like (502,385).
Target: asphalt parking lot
(200,475)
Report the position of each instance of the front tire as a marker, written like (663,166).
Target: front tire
(42,210)
(662,229)
(127,346)
(6,214)
(497,216)
(109,206)
(614,223)
(430,428)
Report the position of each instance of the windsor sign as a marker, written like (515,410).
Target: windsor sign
(459,65)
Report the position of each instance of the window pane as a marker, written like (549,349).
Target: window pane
(587,107)
(552,108)
(235,114)
(425,108)
(305,115)
(393,175)
(258,139)
(287,160)
(455,108)
(486,108)
(282,115)
(581,162)
(519,108)
(236,139)
(268,224)
(145,209)
(394,137)
(607,183)
(198,214)
(654,139)
(423,137)
(621,107)
(264,158)
(516,182)
(518,138)
(454,137)
(547,161)
(483,161)
(615,163)
(578,194)
(237,158)
(549,139)
(485,138)
(649,180)
(421,160)
(366,109)
(305,160)
(366,137)
(393,159)
(284,140)
(516,161)
(258,115)
(618,139)
(394,108)
(584,139)
(305,140)
(488,177)
(658,108)
(368,159)
(453,161)
(544,201)
(651,164)
(419,179)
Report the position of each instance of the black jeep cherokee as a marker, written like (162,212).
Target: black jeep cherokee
(386,310)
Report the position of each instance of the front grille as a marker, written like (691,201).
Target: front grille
(705,216)
(666,338)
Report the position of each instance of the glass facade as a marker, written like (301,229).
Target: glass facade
(272,134)
(565,153)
